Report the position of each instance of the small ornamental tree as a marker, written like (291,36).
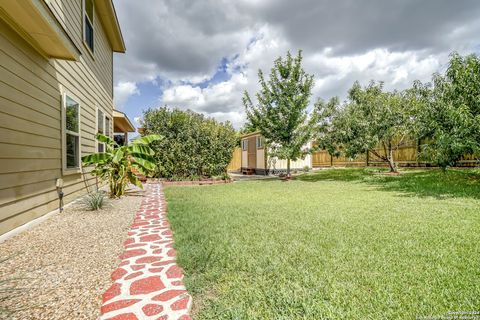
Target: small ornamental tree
(373,118)
(281,111)
(117,165)
(448,114)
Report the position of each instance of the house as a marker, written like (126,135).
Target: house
(255,158)
(121,127)
(56,93)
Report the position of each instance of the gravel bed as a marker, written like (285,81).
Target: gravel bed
(65,262)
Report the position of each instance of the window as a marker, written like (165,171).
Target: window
(259,142)
(244,145)
(107,127)
(100,129)
(88,13)
(119,139)
(71,126)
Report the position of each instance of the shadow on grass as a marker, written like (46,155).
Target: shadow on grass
(434,182)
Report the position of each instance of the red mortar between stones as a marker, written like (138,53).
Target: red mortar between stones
(148,284)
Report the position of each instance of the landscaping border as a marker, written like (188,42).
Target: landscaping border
(195,183)
(148,284)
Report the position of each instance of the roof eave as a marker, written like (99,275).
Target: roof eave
(108,16)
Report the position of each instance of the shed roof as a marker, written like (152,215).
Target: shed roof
(250,134)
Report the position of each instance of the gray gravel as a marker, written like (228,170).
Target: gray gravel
(65,262)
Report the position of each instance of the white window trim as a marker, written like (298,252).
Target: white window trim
(84,38)
(244,145)
(259,142)
(97,109)
(65,170)
(105,117)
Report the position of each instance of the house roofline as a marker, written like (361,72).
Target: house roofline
(108,16)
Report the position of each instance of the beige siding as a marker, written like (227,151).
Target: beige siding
(244,159)
(70,16)
(260,158)
(30,116)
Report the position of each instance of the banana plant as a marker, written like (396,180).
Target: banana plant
(118,164)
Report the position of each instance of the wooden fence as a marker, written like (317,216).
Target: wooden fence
(405,156)
(236,162)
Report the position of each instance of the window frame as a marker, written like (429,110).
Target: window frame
(98,143)
(244,144)
(107,129)
(75,170)
(84,38)
(260,143)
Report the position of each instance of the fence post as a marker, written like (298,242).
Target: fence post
(417,151)
(367,158)
(331,161)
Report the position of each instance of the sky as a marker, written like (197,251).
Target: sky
(202,55)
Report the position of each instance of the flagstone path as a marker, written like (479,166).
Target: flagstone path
(148,283)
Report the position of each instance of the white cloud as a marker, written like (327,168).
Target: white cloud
(183,42)
(122,91)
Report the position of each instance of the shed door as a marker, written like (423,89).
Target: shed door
(252,153)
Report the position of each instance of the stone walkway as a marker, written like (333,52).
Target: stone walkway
(148,283)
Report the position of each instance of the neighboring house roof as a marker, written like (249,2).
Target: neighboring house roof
(34,21)
(121,123)
(108,16)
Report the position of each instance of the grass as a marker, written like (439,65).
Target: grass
(337,244)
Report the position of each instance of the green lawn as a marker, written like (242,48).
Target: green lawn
(337,244)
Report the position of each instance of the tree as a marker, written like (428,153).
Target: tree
(193,145)
(449,112)
(281,112)
(372,118)
(118,163)
(325,135)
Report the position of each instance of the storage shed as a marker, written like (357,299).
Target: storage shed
(255,159)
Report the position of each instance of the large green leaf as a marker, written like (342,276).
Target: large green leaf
(147,164)
(147,139)
(144,157)
(139,148)
(140,169)
(96,158)
(102,138)
(134,180)
(118,154)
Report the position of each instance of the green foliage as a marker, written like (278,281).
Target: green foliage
(118,164)
(94,201)
(281,112)
(225,176)
(193,145)
(448,112)
(369,118)
(325,135)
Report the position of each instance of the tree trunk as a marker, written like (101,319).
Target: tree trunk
(391,162)
(288,168)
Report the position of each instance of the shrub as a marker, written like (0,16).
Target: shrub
(94,201)
(193,144)
(119,164)
(306,169)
